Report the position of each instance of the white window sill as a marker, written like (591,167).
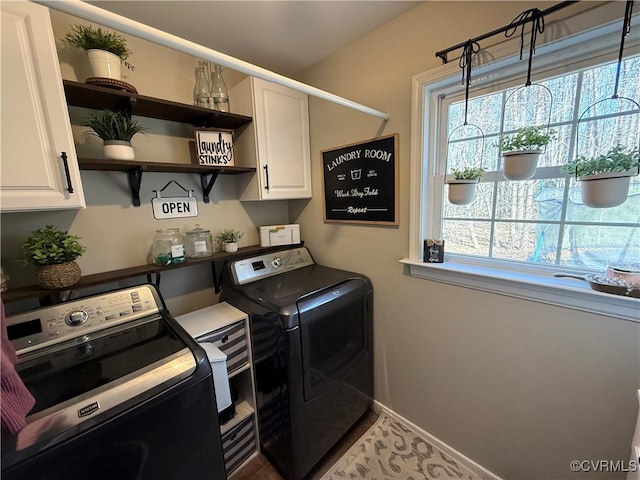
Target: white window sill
(537,287)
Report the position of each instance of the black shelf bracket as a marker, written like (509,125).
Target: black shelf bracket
(217,267)
(128,108)
(207,180)
(135,180)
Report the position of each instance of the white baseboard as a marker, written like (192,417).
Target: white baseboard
(479,470)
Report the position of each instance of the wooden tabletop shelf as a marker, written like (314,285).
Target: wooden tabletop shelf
(219,258)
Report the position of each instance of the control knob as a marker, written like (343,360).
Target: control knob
(276,262)
(76,318)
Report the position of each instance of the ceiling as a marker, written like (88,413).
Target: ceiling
(282,36)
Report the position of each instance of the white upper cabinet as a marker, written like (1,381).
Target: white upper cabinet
(276,143)
(35,120)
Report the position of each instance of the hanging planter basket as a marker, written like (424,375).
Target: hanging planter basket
(462,192)
(520,165)
(605,190)
(521,150)
(605,178)
(462,182)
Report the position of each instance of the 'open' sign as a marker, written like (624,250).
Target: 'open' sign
(176,207)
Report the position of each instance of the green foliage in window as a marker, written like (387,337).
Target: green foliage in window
(526,138)
(468,173)
(50,246)
(617,159)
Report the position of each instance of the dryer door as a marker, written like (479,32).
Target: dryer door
(334,330)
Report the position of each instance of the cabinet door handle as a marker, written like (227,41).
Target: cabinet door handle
(266,175)
(66,172)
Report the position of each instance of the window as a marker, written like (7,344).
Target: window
(517,233)
(543,220)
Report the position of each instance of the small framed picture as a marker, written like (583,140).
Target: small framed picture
(214,147)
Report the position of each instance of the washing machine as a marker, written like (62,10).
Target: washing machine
(312,346)
(121,391)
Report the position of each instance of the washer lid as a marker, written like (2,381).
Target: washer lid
(280,293)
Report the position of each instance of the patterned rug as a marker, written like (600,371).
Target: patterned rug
(390,451)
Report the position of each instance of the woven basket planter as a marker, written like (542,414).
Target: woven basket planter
(58,276)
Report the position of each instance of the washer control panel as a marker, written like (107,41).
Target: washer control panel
(76,318)
(256,268)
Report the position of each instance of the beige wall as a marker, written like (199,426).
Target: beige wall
(520,387)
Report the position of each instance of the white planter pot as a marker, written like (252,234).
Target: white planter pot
(118,150)
(462,192)
(230,247)
(105,64)
(520,165)
(605,190)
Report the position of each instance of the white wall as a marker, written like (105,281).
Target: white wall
(520,387)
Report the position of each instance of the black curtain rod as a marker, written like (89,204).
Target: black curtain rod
(442,54)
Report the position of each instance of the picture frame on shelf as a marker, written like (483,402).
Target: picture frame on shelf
(214,147)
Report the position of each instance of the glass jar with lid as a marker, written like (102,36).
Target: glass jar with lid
(168,247)
(198,243)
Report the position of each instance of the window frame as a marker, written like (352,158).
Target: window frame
(531,282)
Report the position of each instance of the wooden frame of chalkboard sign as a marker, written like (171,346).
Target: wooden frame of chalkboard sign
(360,182)
(214,147)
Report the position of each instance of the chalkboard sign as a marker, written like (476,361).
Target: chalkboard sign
(361,182)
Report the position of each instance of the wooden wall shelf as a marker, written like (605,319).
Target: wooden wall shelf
(135,169)
(217,261)
(96,97)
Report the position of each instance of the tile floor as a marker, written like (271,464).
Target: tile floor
(260,468)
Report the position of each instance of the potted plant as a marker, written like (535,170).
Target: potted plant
(521,151)
(106,50)
(462,189)
(228,239)
(53,252)
(605,178)
(116,130)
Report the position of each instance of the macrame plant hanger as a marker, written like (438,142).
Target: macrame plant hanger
(462,190)
(520,163)
(607,186)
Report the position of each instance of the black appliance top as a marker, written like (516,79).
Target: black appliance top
(87,360)
(280,292)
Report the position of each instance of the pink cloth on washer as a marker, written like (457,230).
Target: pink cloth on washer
(15,399)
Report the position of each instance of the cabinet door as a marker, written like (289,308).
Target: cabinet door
(35,120)
(282,130)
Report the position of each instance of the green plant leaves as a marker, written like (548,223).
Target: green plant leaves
(87,38)
(526,138)
(50,246)
(109,125)
(229,235)
(468,173)
(617,159)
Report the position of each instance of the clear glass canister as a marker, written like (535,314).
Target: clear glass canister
(168,247)
(198,243)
